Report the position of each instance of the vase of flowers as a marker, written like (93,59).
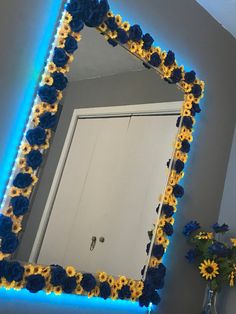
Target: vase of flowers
(216,259)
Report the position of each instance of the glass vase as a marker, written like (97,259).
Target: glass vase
(209,306)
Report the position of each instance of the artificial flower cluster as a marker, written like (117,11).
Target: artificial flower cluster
(95,13)
(56,279)
(216,259)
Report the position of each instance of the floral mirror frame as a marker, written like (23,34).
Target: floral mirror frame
(36,140)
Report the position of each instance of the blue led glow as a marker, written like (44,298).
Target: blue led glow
(65,302)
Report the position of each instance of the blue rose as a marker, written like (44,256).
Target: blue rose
(76,24)
(60,57)
(71,44)
(220,229)
(2,267)
(5,225)
(179,166)
(191,255)
(58,275)
(9,243)
(155,59)
(22,180)
(35,283)
(95,12)
(13,271)
(88,282)
(105,290)
(185,148)
(176,75)
(122,36)
(190,77)
(47,120)
(69,284)
(158,250)
(188,122)
(34,159)
(196,90)
(124,292)
(145,298)
(168,210)
(196,107)
(178,191)
(168,229)
(36,136)
(48,94)
(74,7)
(147,41)
(59,80)
(135,33)
(190,227)
(20,205)
(111,23)
(155,277)
(170,58)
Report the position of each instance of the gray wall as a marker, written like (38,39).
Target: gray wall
(201,42)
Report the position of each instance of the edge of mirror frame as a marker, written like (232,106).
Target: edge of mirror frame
(36,138)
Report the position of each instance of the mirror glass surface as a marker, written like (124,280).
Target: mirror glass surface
(101,180)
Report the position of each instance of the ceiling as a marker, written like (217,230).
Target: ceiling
(224,11)
(96,58)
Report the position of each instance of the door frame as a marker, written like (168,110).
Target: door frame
(163,108)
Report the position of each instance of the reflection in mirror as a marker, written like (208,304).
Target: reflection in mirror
(101,181)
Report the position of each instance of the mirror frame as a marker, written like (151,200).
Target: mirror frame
(36,140)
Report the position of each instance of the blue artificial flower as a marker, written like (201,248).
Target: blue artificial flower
(94,12)
(47,120)
(147,41)
(88,282)
(178,191)
(48,94)
(58,275)
(105,290)
(196,107)
(187,122)
(74,7)
(111,23)
(190,227)
(170,58)
(112,42)
(158,250)
(2,267)
(59,80)
(69,284)
(168,210)
(60,58)
(196,90)
(124,292)
(185,148)
(168,229)
(9,243)
(219,249)
(70,44)
(36,136)
(190,77)
(155,59)
(5,225)
(220,229)
(155,277)
(176,75)
(179,166)
(35,283)
(122,36)
(191,255)
(13,271)
(34,159)
(76,24)
(20,205)
(135,33)
(22,180)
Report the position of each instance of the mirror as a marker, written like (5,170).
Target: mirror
(100,185)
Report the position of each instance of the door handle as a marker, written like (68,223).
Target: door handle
(93,243)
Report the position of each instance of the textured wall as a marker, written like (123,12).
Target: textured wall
(200,42)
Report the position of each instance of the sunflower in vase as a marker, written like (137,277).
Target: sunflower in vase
(215,258)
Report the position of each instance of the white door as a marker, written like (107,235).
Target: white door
(114,172)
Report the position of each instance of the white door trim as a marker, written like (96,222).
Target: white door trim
(163,108)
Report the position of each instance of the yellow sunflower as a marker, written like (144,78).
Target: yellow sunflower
(204,236)
(209,269)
